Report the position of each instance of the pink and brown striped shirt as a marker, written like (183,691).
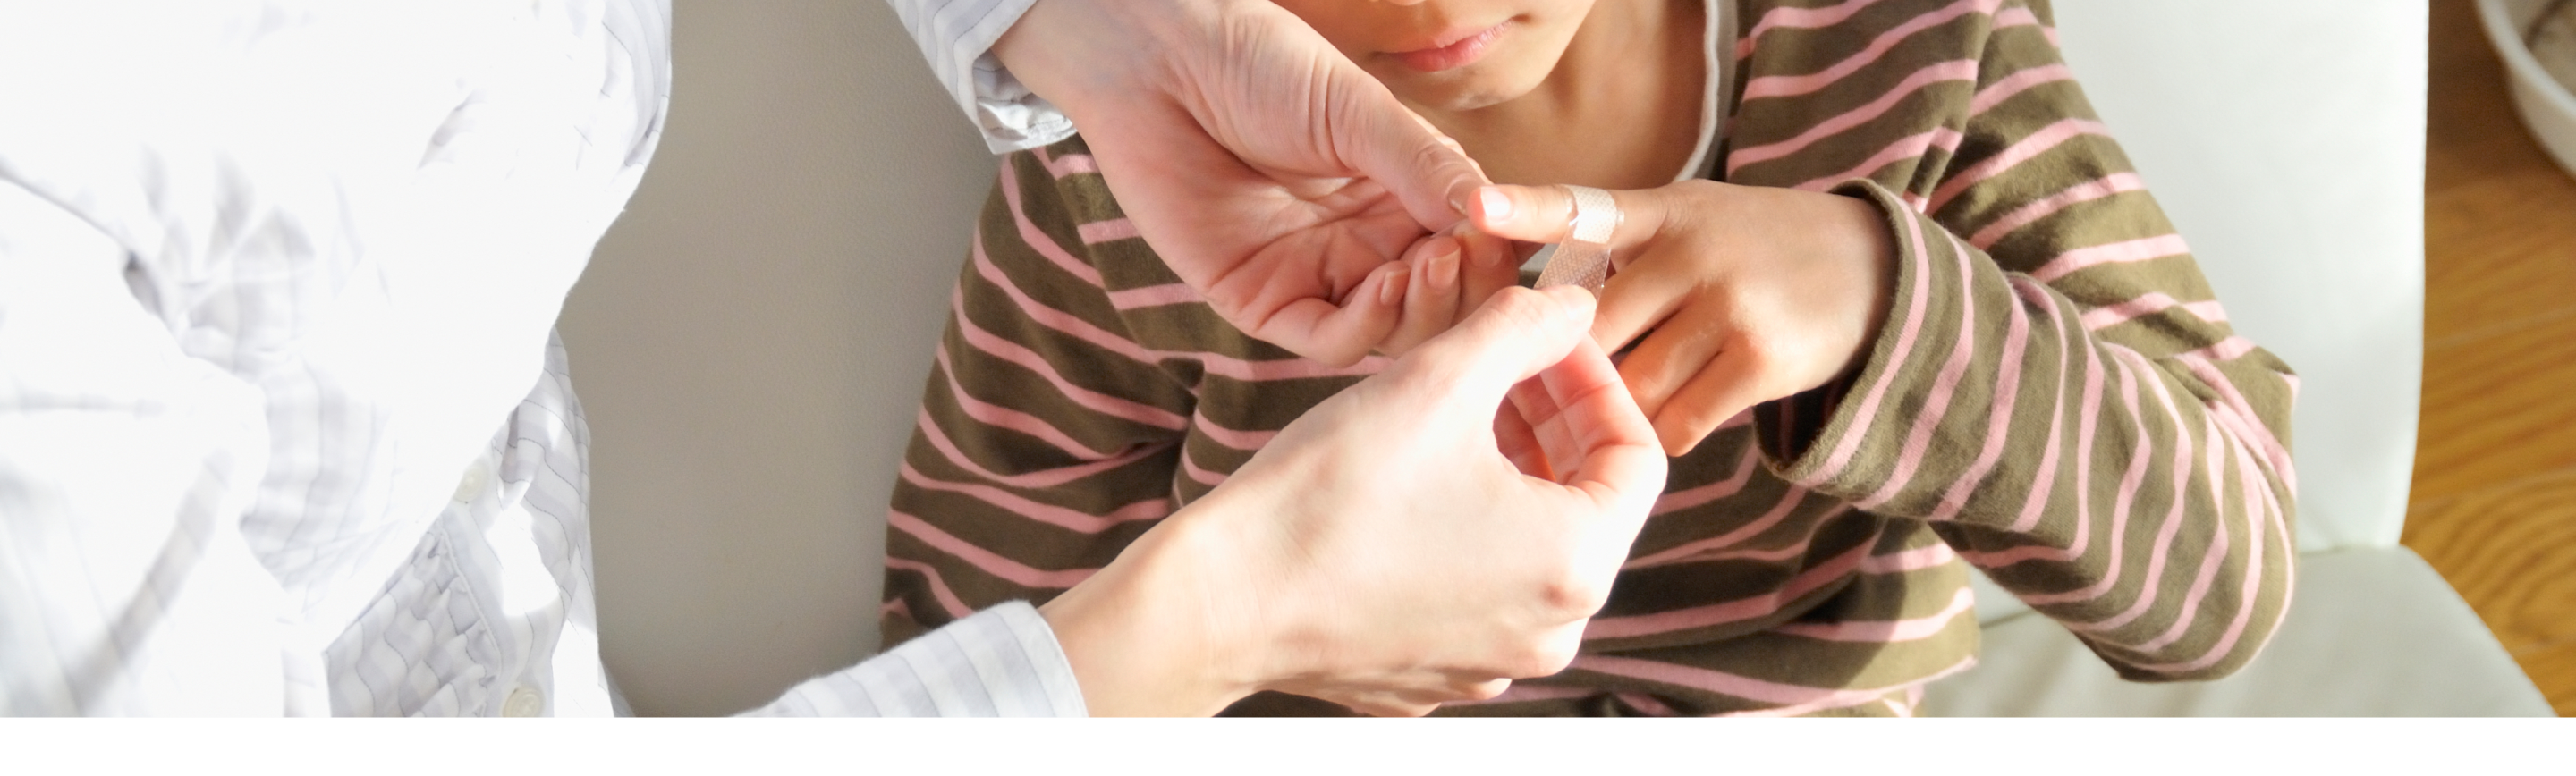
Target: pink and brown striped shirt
(2056,398)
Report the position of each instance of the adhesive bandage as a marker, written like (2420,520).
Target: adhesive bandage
(1584,258)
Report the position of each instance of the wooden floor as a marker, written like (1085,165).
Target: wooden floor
(2494,505)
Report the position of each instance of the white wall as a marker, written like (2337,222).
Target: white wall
(789,256)
(2286,140)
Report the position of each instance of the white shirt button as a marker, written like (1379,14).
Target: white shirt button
(470,486)
(524,702)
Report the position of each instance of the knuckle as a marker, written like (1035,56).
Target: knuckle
(1572,596)
(1439,153)
(1484,691)
(1546,659)
(1753,345)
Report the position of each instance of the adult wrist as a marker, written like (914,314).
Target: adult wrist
(1155,633)
(1058,48)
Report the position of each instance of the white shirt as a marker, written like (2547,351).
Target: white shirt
(957,37)
(283,424)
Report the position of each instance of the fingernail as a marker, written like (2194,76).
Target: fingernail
(1392,290)
(1497,205)
(1444,269)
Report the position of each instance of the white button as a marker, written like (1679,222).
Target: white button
(470,486)
(524,702)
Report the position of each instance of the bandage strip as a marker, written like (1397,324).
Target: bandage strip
(1584,258)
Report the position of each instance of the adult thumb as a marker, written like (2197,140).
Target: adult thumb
(1392,145)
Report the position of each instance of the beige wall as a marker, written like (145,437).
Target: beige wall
(788,258)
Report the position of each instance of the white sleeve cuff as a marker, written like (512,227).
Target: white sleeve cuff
(957,37)
(1001,662)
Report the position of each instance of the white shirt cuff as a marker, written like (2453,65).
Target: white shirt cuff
(1001,662)
(957,37)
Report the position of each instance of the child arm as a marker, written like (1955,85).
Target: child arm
(1047,437)
(2057,391)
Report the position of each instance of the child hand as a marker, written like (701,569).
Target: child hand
(1742,294)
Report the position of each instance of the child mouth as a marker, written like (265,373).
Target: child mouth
(1462,52)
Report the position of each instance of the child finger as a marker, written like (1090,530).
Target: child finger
(1641,297)
(1545,214)
(1730,384)
(1673,354)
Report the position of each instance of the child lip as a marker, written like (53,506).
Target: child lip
(1460,52)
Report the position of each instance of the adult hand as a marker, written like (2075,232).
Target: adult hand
(1277,178)
(1451,276)
(1382,552)
(1743,294)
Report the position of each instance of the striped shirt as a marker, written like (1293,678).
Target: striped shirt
(2056,398)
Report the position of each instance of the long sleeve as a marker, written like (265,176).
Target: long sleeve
(1001,662)
(2056,397)
(957,36)
(282,428)
(1048,436)
(125,465)
(2056,390)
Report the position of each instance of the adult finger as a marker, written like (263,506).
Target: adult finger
(1609,445)
(1338,335)
(1389,143)
(1728,386)
(1490,264)
(1537,398)
(1514,335)
(1545,214)
(1517,440)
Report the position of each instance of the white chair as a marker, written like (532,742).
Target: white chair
(2286,139)
(751,340)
